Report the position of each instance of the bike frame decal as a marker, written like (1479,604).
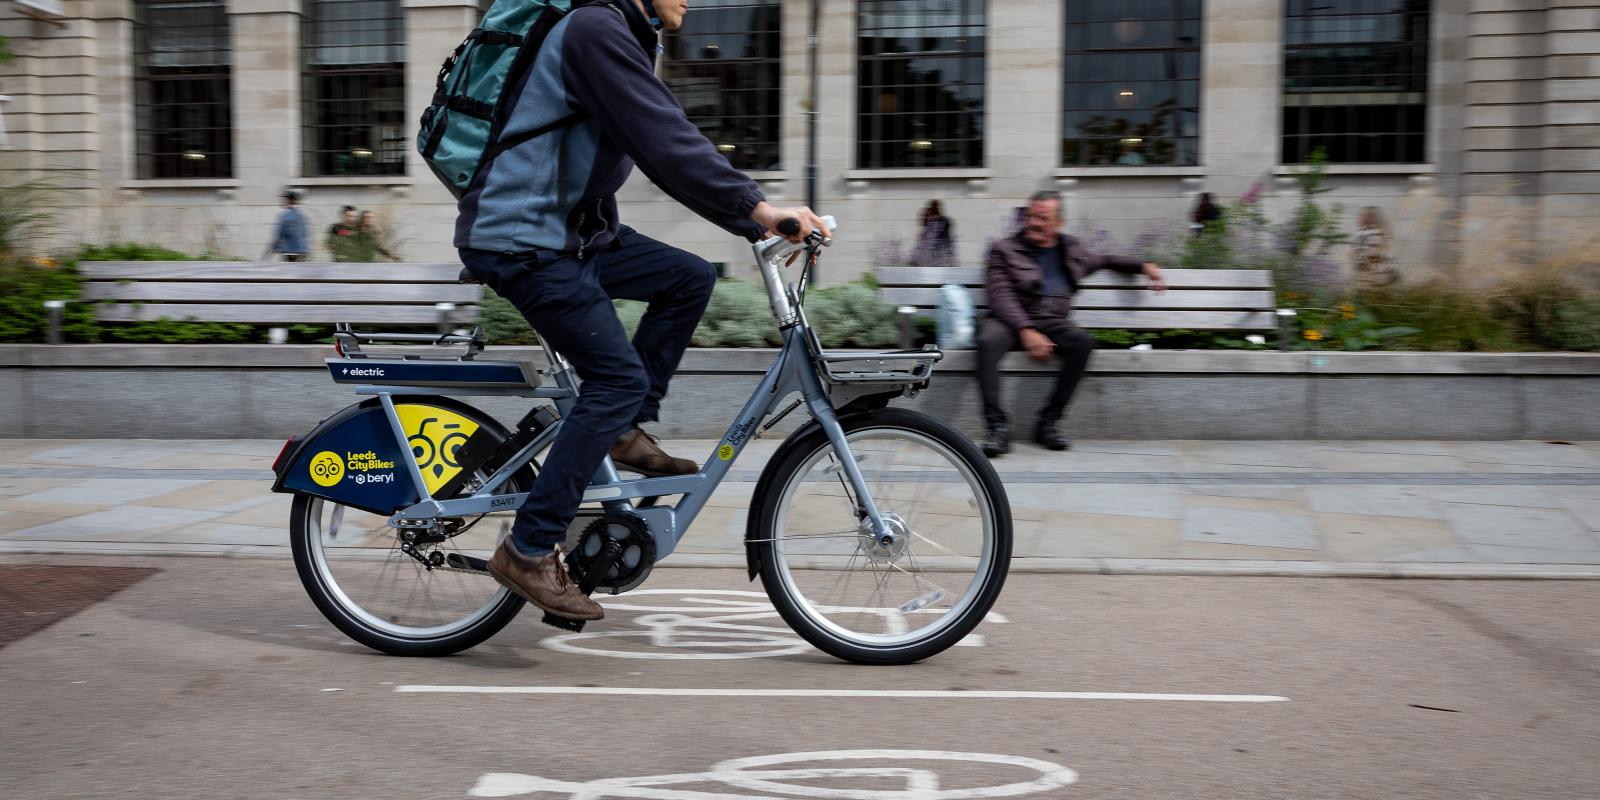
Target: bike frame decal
(434,435)
(357,462)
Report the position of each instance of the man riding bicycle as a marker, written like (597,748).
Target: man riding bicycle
(541,228)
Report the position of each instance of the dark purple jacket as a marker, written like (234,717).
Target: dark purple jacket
(1015,283)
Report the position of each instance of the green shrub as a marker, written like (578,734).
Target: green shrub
(1576,325)
(180,331)
(503,324)
(738,316)
(1445,318)
(24,288)
(851,315)
(133,251)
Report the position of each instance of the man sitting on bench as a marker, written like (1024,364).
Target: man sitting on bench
(1031,278)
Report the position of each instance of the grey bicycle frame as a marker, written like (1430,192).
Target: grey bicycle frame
(796,370)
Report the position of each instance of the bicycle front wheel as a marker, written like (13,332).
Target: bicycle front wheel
(851,595)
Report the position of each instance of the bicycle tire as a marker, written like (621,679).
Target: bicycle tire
(305,537)
(778,483)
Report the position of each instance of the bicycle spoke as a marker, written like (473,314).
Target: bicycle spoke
(930,500)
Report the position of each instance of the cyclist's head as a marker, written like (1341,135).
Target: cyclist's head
(665,14)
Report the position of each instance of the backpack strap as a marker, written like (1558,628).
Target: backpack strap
(510,142)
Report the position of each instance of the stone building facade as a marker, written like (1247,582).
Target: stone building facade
(1503,116)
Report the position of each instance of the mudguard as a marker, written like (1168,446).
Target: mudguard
(352,457)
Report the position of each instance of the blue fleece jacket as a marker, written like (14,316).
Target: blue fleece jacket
(558,191)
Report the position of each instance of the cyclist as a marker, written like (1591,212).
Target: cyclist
(540,227)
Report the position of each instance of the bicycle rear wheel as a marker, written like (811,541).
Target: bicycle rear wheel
(848,594)
(416,594)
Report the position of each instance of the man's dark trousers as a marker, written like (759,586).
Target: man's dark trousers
(568,303)
(995,339)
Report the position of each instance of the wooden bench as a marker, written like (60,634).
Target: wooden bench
(1234,300)
(280,293)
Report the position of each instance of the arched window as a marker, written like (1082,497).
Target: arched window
(920,83)
(183,108)
(354,87)
(1131,88)
(724,67)
(1355,81)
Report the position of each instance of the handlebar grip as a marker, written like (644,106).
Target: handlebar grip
(789,227)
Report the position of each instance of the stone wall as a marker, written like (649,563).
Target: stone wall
(1514,136)
(250,391)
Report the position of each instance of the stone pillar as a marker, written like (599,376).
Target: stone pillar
(113,21)
(1571,137)
(434,28)
(1241,93)
(1022,97)
(266,102)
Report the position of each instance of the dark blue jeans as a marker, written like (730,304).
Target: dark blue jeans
(568,302)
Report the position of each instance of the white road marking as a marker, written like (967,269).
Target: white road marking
(706,625)
(756,775)
(842,693)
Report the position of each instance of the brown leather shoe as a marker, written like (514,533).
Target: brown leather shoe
(542,581)
(640,452)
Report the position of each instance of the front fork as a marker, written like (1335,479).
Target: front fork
(821,408)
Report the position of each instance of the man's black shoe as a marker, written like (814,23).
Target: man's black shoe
(998,443)
(1048,437)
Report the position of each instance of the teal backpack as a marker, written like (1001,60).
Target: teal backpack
(461,130)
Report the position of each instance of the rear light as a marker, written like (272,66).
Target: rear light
(287,446)
(338,346)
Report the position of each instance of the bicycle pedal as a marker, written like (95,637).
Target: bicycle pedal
(554,621)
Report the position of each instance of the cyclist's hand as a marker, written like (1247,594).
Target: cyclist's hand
(771,216)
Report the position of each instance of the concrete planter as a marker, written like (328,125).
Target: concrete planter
(250,391)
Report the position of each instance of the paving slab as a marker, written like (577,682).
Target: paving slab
(108,491)
(122,523)
(1409,505)
(1255,528)
(1379,501)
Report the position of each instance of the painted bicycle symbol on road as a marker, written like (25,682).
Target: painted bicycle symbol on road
(702,625)
(835,774)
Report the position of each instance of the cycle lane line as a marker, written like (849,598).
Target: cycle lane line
(838,693)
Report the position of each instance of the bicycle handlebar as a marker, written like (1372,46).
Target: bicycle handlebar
(778,248)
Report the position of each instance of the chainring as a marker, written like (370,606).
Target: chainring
(638,552)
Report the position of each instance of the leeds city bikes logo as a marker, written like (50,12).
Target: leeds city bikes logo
(327,468)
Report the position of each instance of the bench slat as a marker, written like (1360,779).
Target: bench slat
(1178,320)
(274,271)
(1136,299)
(1104,279)
(280,314)
(234,293)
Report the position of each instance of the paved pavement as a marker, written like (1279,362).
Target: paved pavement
(218,678)
(1510,509)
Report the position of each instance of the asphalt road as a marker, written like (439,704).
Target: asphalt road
(217,678)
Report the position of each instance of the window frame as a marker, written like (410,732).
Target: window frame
(211,156)
(1175,50)
(971,150)
(770,125)
(1405,120)
(325,136)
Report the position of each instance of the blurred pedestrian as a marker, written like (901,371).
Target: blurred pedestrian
(369,243)
(1206,211)
(289,236)
(936,243)
(1371,251)
(342,235)
(1031,278)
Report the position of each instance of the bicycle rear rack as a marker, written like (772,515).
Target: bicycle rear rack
(348,341)
(898,366)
